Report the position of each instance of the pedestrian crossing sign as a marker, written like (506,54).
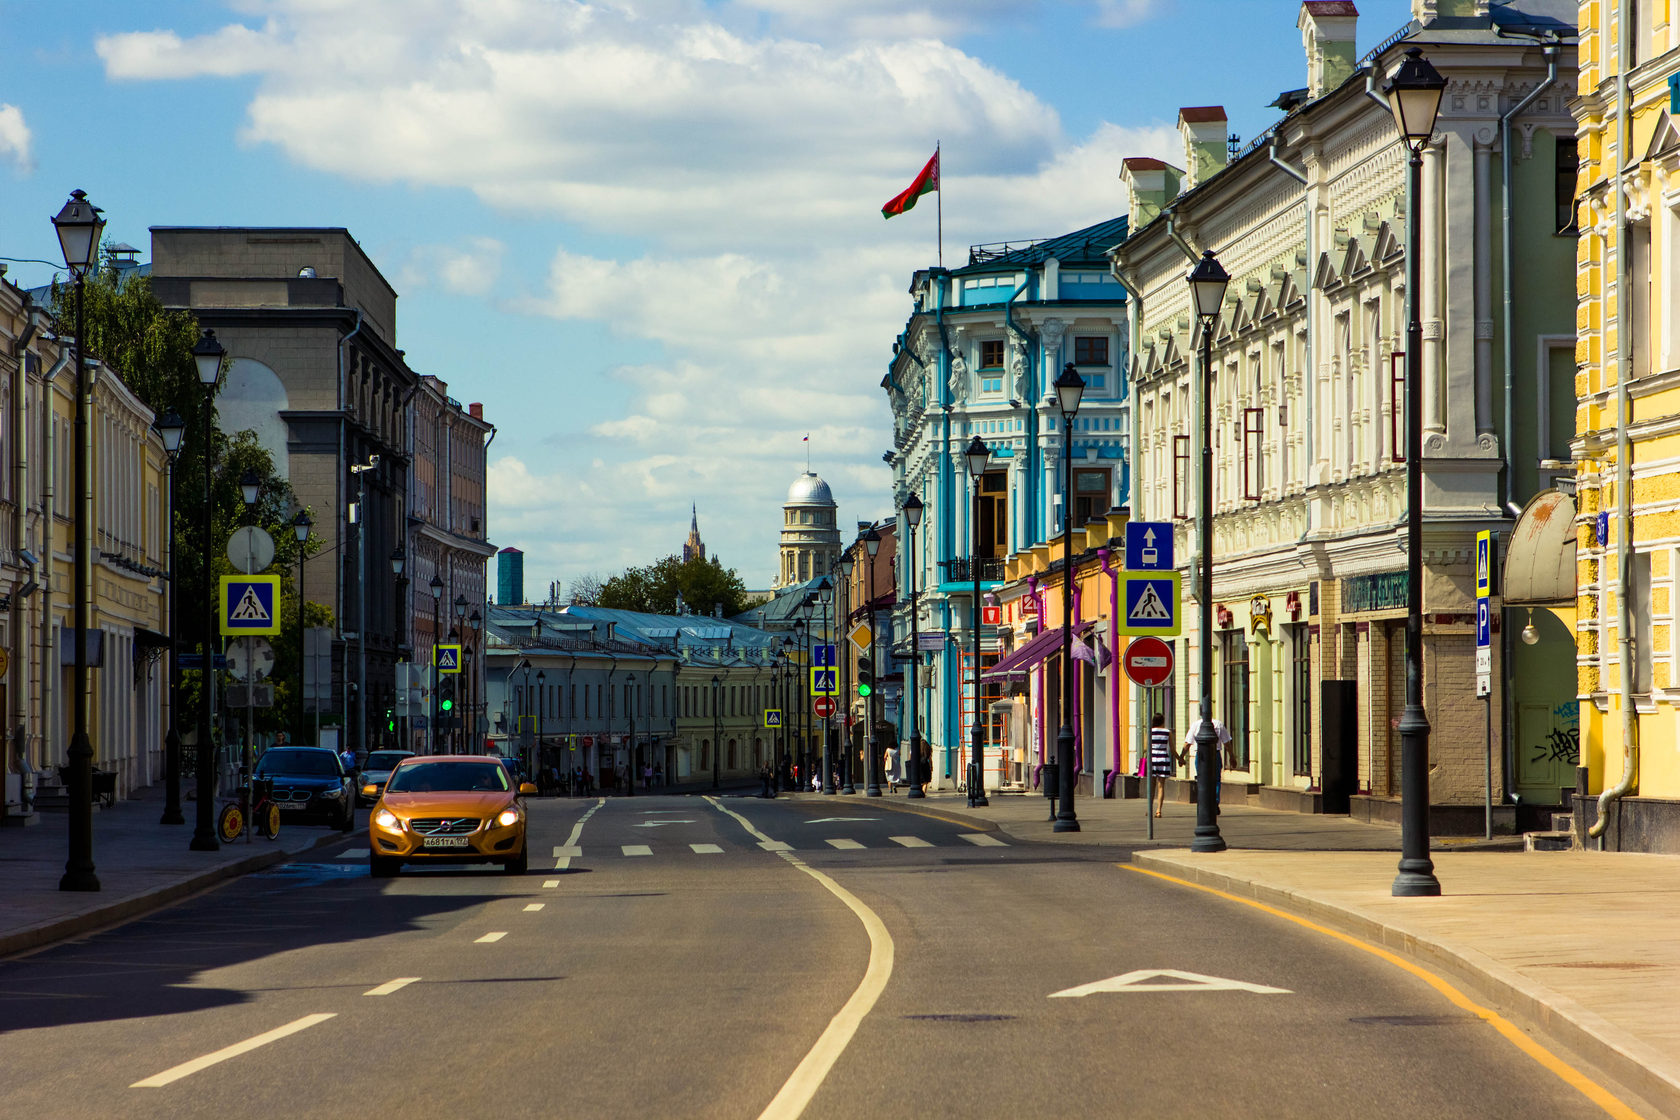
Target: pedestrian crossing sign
(825,682)
(1151,604)
(448,658)
(250,604)
(772,717)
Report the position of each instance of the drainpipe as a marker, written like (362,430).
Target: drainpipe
(49,513)
(1550,51)
(1624,449)
(1178,239)
(1134,497)
(1119,748)
(20,526)
(1309,394)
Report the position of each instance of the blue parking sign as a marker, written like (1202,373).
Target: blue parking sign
(1484,627)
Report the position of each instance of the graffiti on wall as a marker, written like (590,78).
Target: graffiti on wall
(1563,742)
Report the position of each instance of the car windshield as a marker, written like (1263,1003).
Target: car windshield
(313,763)
(384,760)
(439,777)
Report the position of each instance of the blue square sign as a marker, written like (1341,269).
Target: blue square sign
(824,655)
(1151,605)
(1149,546)
(1484,624)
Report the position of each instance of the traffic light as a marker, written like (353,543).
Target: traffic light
(390,719)
(866,676)
(446,695)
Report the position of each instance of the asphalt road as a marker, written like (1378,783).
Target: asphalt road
(835,957)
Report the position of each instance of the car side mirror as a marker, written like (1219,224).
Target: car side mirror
(526,787)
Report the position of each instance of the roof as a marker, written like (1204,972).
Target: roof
(1143,163)
(1322,8)
(1199,114)
(1083,246)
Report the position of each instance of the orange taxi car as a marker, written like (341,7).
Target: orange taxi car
(448,809)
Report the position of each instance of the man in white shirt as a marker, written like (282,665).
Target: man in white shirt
(1222,738)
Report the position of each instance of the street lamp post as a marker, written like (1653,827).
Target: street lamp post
(250,486)
(1414,96)
(717,733)
(476,620)
(1069,388)
(78,226)
(456,730)
(171,428)
(783,701)
(825,594)
(976,454)
(360,470)
(912,765)
(399,561)
(1207,288)
(872,546)
(301,525)
(535,753)
(208,355)
(843,568)
(630,720)
(432,718)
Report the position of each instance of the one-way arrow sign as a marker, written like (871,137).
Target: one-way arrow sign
(1144,980)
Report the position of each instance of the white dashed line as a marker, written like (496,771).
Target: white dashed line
(910,841)
(491,937)
(983,840)
(390,986)
(562,850)
(706,849)
(175,1073)
(533,906)
(550,884)
(845,845)
(565,854)
(637,850)
(775,845)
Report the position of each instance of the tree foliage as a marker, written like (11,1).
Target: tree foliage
(702,584)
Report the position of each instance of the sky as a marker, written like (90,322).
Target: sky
(645,234)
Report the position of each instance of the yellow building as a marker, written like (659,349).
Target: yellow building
(1627,450)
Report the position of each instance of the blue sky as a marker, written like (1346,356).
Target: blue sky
(644,233)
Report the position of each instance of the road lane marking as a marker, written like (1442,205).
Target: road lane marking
(185,1069)
(838,820)
(489,937)
(910,841)
(532,906)
(661,824)
(845,845)
(567,850)
(390,986)
(706,849)
(1147,980)
(353,853)
(564,862)
(550,884)
(983,840)
(637,850)
(1565,1072)
(793,1097)
(775,845)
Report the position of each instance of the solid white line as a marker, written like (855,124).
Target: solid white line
(706,849)
(910,841)
(529,907)
(982,840)
(775,845)
(175,1073)
(491,937)
(845,845)
(550,884)
(567,850)
(390,986)
(637,850)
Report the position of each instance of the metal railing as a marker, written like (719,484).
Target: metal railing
(959,571)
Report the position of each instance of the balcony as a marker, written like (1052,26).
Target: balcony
(959,570)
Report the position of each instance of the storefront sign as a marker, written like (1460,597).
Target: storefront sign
(1383,591)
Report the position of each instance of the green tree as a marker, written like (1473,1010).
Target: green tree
(703,584)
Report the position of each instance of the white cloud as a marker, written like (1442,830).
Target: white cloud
(468,269)
(225,53)
(15,138)
(1126,13)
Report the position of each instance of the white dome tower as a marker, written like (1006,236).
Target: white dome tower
(810,532)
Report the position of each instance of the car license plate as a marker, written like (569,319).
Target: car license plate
(443,842)
(292,806)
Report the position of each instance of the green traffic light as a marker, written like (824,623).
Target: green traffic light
(864,688)
(447,704)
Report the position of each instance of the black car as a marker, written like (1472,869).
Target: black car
(310,785)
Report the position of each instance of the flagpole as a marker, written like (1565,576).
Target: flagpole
(941,202)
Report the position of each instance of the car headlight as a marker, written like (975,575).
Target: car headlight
(387,819)
(335,792)
(507,817)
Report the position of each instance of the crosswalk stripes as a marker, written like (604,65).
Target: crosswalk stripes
(637,850)
(983,840)
(845,845)
(910,841)
(775,845)
(706,849)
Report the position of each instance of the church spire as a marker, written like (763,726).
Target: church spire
(694,548)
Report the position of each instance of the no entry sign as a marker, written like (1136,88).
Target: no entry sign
(823,706)
(1148,661)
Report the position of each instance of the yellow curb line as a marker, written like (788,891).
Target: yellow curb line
(1588,1088)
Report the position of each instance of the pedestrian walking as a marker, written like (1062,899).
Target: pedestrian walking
(1161,758)
(1222,740)
(891,764)
(924,772)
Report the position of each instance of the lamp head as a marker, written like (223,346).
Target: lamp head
(872,541)
(170,427)
(1207,288)
(1414,97)
(460,606)
(977,454)
(1069,388)
(249,486)
(301,524)
(437,587)
(844,565)
(913,511)
(79,225)
(398,560)
(207,356)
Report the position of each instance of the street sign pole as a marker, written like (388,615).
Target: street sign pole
(1484,664)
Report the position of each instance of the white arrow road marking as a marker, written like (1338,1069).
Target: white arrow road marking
(390,986)
(175,1073)
(1141,980)
(567,851)
(657,824)
(837,820)
(533,906)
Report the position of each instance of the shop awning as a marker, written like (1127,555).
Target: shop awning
(1019,661)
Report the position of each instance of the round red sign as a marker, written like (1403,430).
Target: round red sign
(823,706)
(1148,661)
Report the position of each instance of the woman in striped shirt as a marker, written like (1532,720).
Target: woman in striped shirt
(1161,758)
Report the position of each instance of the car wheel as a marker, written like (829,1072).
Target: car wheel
(519,863)
(383,867)
(348,824)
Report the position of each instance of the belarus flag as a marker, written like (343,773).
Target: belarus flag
(927,181)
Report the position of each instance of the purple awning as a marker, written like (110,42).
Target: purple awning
(1017,662)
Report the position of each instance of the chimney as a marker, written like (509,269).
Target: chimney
(1428,11)
(1150,185)
(1203,129)
(476,410)
(1327,28)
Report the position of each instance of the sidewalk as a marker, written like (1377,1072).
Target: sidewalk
(141,865)
(1586,944)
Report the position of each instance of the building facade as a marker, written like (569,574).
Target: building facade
(810,542)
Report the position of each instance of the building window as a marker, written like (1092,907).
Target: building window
(1090,350)
(1090,495)
(993,539)
(1233,666)
(1300,677)
(1639,600)
(1567,162)
(991,354)
(1181,476)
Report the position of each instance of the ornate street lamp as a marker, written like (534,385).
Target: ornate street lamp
(535,754)
(431,724)
(1414,96)
(977,454)
(843,568)
(717,732)
(803,675)
(1070,387)
(912,511)
(872,547)
(783,697)
(170,428)
(824,594)
(1207,292)
(208,356)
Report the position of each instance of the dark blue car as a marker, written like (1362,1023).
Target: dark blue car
(310,786)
